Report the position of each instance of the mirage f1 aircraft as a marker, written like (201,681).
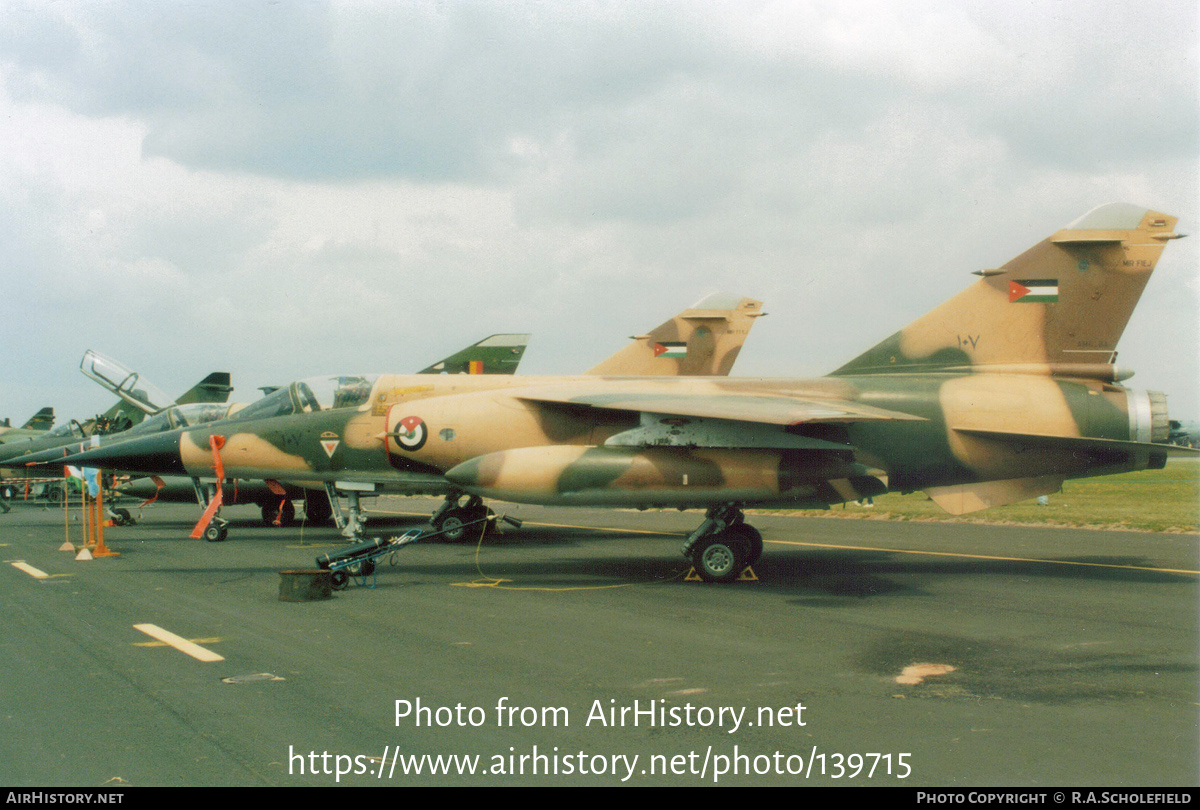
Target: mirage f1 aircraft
(998,395)
(704,339)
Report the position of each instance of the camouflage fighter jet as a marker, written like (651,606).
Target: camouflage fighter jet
(998,395)
(38,424)
(137,400)
(495,354)
(702,340)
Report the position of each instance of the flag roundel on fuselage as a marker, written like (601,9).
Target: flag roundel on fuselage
(411,433)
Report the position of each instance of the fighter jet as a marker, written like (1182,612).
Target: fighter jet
(702,340)
(137,399)
(997,395)
(38,424)
(495,354)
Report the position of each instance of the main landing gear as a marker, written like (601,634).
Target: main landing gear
(724,545)
(453,517)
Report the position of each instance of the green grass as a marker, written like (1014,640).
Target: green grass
(1166,500)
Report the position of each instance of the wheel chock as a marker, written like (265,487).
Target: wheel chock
(747,575)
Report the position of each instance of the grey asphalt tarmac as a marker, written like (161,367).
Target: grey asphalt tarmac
(573,651)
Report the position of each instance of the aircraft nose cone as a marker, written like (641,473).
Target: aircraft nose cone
(149,454)
(54,455)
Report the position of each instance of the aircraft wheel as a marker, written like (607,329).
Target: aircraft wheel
(752,538)
(317,508)
(451,525)
(215,533)
(720,558)
(121,517)
(56,494)
(339,579)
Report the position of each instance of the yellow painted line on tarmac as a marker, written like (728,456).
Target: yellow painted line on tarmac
(986,557)
(179,643)
(29,569)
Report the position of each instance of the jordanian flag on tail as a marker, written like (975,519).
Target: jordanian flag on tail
(670,349)
(1033,291)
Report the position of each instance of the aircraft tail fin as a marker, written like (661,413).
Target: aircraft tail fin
(42,420)
(1060,306)
(495,354)
(213,388)
(702,341)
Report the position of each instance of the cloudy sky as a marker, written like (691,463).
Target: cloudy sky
(282,189)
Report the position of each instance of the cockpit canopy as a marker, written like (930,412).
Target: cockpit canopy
(70,429)
(124,382)
(196,413)
(312,394)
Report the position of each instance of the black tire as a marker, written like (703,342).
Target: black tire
(752,539)
(55,493)
(121,517)
(452,525)
(215,533)
(720,558)
(339,579)
(317,508)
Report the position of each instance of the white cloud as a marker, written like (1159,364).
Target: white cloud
(290,188)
